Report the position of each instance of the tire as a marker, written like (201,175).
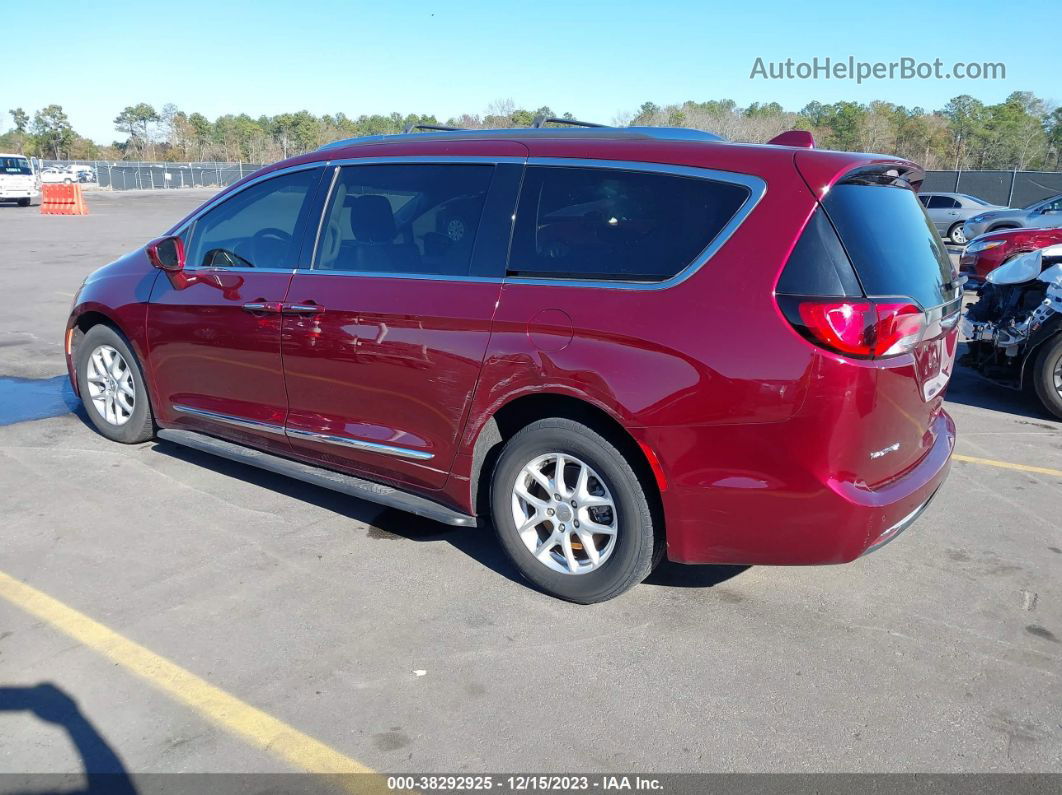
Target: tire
(1047,375)
(114,420)
(955,234)
(624,557)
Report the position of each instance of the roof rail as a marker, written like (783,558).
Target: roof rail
(434,127)
(541,121)
(603,131)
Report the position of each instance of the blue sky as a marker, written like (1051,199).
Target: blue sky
(595,58)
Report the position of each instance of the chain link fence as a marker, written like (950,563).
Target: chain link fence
(1006,188)
(135,175)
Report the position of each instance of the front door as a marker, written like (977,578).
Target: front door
(382,359)
(215,326)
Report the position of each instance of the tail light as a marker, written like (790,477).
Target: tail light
(859,328)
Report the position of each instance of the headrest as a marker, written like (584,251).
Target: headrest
(371,219)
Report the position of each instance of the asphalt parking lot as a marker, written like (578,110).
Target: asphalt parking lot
(399,645)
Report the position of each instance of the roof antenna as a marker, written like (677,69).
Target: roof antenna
(541,121)
(439,127)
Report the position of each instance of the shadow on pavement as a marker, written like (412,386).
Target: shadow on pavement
(389,524)
(103,769)
(385,524)
(679,575)
(970,389)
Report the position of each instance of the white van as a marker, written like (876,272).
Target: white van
(18,182)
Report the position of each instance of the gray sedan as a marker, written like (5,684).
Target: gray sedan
(949,211)
(1042,214)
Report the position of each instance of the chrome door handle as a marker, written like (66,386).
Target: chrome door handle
(269,307)
(302,309)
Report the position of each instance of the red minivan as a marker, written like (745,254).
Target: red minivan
(611,344)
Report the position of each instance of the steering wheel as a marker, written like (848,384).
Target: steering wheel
(270,241)
(223,258)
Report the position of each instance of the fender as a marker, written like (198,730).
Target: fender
(118,293)
(1047,331)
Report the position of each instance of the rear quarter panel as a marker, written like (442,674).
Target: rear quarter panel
(711,350)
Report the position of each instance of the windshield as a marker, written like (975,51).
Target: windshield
(976,200)
(15,165)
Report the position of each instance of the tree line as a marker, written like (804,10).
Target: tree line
(1021,132)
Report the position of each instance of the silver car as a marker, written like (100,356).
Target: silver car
(1042,214)
(949,211)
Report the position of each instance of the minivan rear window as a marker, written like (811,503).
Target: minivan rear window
(892,243)
(611,224)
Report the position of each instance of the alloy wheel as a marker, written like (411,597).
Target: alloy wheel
(565,514)
(110,385)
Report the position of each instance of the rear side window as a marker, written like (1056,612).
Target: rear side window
(404,218)
(942,203)
(818,265)
(602,223)
(891,242)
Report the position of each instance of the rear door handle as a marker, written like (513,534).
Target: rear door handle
(302,309)
(266,307)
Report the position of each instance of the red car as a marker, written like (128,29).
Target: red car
(988,252)
(609,344)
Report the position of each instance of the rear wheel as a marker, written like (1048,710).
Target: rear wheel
(112,387)
(956,234)
(571,512)
(1047,375)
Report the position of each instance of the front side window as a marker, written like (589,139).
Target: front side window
(601,223)
(405,218)
(256,228)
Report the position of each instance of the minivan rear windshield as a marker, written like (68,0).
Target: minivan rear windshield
(892,243)
(15,165)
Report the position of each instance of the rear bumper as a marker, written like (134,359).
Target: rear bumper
(769,510)
(899,527)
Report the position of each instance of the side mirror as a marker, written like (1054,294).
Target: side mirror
(166,253)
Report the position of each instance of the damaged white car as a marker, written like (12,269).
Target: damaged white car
(1014,330)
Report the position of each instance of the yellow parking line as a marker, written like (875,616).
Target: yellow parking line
(1008,465)
(253,725)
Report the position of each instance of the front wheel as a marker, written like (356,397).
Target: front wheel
(1047,375)
(112,387)
(956,235)
(571,512)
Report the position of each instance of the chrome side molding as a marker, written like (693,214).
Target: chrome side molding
(228,419)
(358,444)
(296,433)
